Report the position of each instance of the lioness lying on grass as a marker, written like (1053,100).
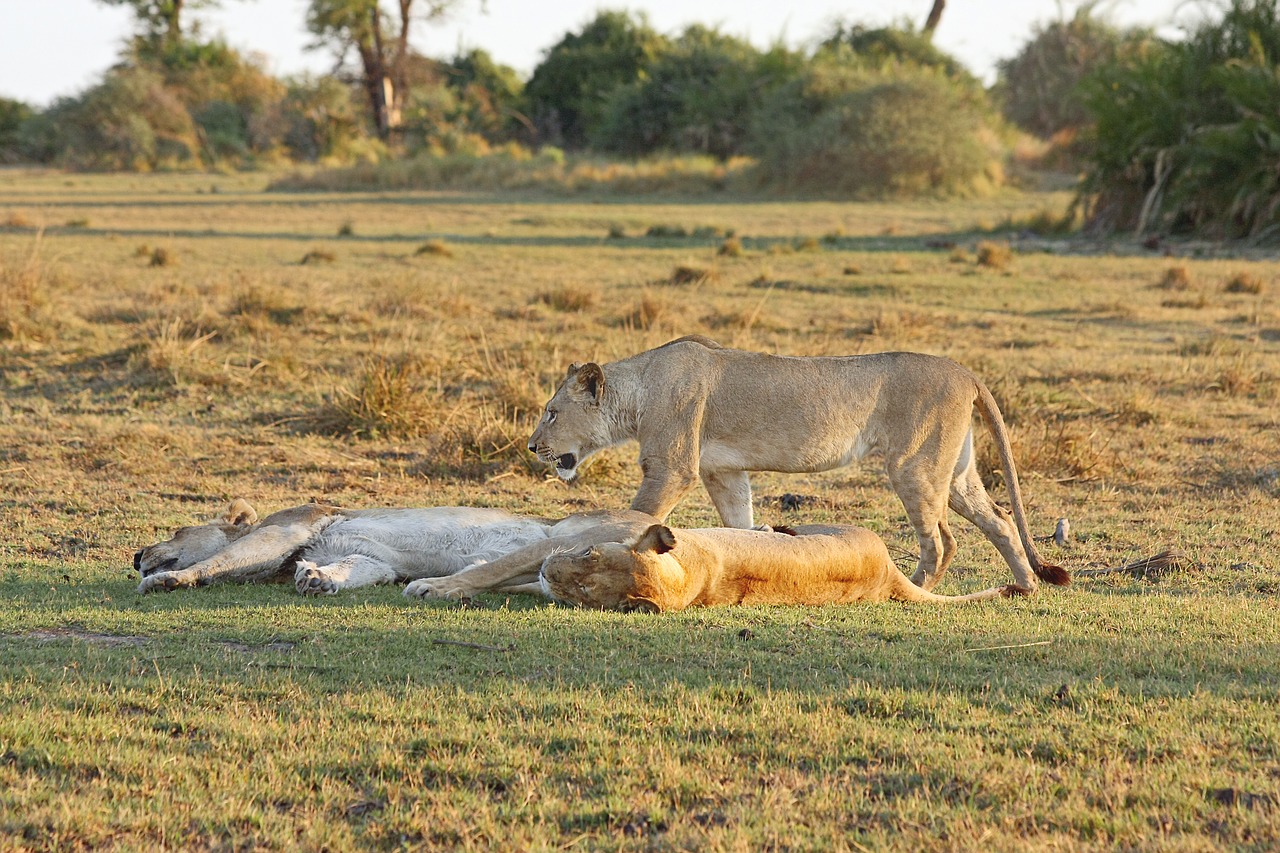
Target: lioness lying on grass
(623,560)
(326,548)
(667,569)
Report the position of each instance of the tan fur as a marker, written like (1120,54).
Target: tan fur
(667,569)
(702,411)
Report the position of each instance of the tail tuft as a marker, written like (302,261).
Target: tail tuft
(1049,573)
(782,528)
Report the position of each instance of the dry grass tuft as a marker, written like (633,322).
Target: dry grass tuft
(667,232)
(853,269)
(809,244)
(392,398)
(24,297)
(1243,282)
(901,266)
(438,248)
(162,257)
(318,256)
(17,219)
(1175,278)
(1060,450)
(347,229)
(1237,376)
(731,248)
(617,231)
(994,255)
(685,274)
(958,255)
(173,349)
(652,309)
(264,303)
(571,298)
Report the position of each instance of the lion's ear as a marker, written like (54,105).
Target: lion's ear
(240,513)
(591,379)
(573,368)
(659,539)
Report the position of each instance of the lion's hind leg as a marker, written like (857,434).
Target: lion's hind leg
(970,499)
(351,572)
(926,507)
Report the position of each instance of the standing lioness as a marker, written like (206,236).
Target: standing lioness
(701,410)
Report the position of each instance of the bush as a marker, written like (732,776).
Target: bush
(1186,136)
(1039,89)
(129,121)
(698,96)
(13,115)
(841,129)
(570,86)
(320,121)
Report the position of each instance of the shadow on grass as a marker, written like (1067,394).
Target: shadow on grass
(1026,649)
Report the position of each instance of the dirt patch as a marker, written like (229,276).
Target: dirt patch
(111,641)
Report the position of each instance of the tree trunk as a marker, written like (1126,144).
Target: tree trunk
(935,15)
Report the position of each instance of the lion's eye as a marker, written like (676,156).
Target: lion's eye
(551,416)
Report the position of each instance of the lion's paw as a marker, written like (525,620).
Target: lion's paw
(310,579)
(436,588)
(165,582)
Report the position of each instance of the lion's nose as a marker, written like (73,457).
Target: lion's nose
(533,448)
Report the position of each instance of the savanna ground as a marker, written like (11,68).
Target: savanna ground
(165,348)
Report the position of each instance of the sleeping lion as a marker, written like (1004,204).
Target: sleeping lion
(667,569)
(323,549)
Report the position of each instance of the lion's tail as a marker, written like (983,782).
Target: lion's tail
(905,590)
(1048,572)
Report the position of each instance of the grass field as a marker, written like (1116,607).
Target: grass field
(168,343)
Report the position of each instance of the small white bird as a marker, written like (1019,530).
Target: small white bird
(1062,533)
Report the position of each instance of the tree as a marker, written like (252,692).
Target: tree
(935,15)
(569,89)
(698,95)
(161,20)
(381,40)
(1039,88)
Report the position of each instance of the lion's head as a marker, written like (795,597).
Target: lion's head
(574,424)
(191,545)
(639,575)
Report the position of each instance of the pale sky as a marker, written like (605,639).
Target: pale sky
(52,48)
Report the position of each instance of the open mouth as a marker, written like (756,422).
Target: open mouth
(566,466)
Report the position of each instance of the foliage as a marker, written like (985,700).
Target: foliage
(843,129)
(13,114)
(382,43)
(1187,137)
(321,122)
(490,96)
(129,121)
(569,88)
(877,47)
(698,95)
(160,21)
(1039,88)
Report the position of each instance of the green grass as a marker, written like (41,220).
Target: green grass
(1116,713)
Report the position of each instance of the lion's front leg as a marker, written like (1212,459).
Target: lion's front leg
(350,572)
(258,556)
(663,486)
(730,491)
(520,567)
(169,581)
